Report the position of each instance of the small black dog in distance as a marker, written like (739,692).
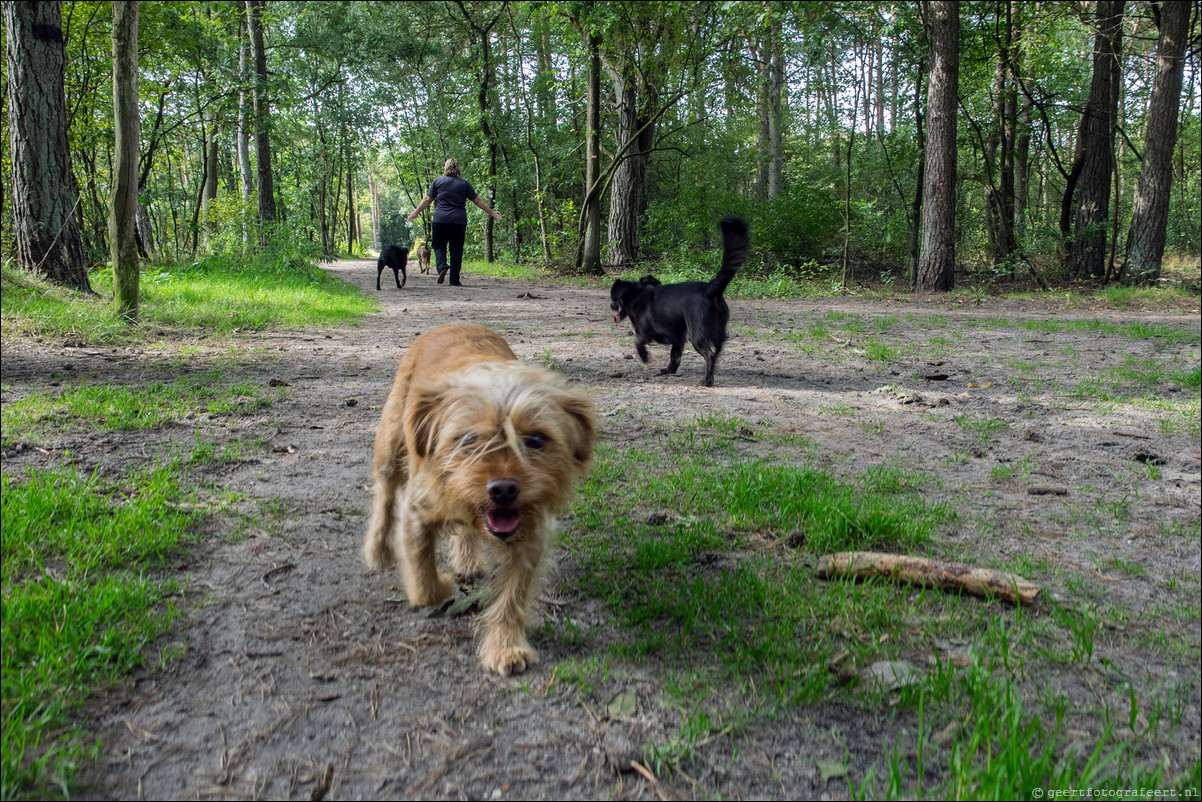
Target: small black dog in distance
(395,257)
(695,311)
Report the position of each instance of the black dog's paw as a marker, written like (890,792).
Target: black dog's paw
(643,355)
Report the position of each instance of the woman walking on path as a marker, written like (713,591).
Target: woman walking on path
(450,193)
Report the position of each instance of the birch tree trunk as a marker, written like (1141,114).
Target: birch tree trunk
(267,210)
(123,212)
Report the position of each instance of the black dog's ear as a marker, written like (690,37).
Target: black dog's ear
(648,281)
(620,288)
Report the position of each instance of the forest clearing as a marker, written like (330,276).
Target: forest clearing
(962,368)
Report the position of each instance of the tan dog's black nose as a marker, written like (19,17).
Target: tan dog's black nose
(504,492)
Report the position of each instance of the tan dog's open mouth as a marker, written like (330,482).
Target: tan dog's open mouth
(502,522)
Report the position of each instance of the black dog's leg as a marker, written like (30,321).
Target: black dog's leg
(673,359)
(402,263)
(709,346)
(711,362)
(641,347)
(379,271)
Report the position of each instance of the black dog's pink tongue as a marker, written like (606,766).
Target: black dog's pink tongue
(502,522)
(616,317)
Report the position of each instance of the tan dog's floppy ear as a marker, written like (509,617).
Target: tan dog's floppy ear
(579,409)
(421,414)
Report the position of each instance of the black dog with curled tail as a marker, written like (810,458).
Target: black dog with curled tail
(694,310)
(395,257)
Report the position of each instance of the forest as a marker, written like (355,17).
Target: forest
(966,331)
(1050,137)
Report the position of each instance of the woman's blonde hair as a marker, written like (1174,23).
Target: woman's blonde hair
(451,168)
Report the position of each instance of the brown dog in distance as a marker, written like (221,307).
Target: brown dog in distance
(423,257)
(479,447)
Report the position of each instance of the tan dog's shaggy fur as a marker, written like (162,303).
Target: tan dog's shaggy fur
(475,445)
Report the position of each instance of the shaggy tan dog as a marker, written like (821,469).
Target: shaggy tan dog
(475,445)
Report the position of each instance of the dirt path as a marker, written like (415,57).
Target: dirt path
(294,660)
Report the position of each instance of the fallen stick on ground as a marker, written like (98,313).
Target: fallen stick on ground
(928,573)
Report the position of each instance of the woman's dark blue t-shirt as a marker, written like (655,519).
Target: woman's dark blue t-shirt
(450,196)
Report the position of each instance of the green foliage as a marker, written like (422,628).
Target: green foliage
(798,225)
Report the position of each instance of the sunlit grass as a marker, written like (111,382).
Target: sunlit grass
(79,606)
(215,295)
(115,407)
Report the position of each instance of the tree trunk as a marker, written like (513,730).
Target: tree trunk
(47,230)
(123,213)
(627,183)
(776,117)
(246,176)
(352,233)
(590,239)
(937,254)
(1095,147)
(916,208)
(210,179)
(327,245)
(764,142)
(1150,215)
(267,210)
(374,189)
(489,137)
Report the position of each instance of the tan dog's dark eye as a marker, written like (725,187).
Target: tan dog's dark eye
(536,442)
(467,440)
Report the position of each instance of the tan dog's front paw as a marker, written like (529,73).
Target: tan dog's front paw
(509,660)
(376,552)
(465,559)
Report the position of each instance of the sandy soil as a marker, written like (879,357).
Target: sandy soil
(295,664)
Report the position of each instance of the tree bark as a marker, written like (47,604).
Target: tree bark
(916,207)
(267,210)
(937,253)
(590,240)
(1095,147)
(627,185)
(1150,213)
(776,118)
(760,59)
(46,228)
(210,179)
(247,180)
(123,212)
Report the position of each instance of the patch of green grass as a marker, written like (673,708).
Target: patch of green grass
(79,609)
(674,586)
(113,407)
(883,323)
(1138,330)
(878,351)
(727,424)
(983,429)
(220,294)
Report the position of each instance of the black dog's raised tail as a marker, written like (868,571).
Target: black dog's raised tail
(735,244)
